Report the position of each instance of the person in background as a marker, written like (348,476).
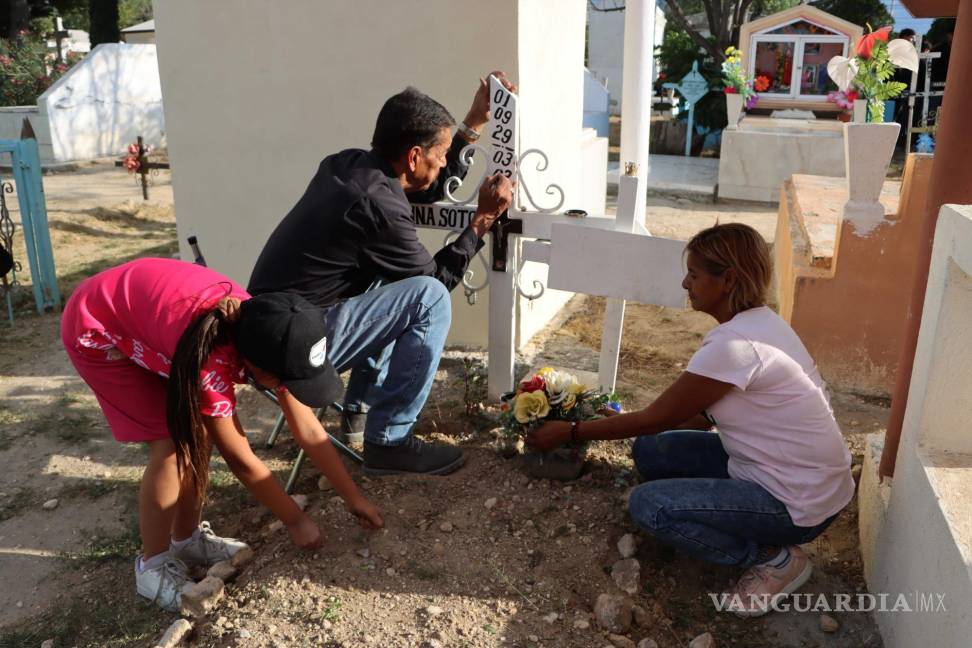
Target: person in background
(776,472)
(162,343)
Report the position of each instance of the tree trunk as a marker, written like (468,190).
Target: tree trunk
(18,17)
(104,22)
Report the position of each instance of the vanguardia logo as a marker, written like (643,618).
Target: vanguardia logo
(884,602)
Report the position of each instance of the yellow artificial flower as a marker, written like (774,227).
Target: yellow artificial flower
(577,389)
(545,371)
(530,406)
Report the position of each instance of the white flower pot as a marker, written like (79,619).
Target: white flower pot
(860,111)
(734,106)
(867,153)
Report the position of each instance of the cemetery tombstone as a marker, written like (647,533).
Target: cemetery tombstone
(692,87)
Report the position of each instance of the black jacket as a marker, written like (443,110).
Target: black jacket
(353,226)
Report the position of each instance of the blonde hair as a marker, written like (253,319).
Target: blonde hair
(741,248)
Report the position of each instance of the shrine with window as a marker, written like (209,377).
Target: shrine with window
(787,55)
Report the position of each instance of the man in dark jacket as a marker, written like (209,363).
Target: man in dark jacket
(352,231)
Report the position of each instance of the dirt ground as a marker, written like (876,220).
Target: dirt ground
(446,571)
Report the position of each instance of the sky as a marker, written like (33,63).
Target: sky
(903,19)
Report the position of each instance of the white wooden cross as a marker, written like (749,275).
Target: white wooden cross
(596,255)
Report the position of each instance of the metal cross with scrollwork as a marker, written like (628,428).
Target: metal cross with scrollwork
(7,229)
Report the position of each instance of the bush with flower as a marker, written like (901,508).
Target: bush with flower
(871,69)
(552,395)
(737,81)
(28,67)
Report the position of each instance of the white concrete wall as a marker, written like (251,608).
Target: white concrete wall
(317,87)
(605,49)
(104,102)
(918,534)
(11,121)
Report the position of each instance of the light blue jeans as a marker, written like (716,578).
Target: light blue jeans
(391,339)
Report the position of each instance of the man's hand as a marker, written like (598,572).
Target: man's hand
(495,197)
(549,436)
(478,113)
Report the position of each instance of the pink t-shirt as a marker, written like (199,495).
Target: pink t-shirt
(776,423)
(140,309)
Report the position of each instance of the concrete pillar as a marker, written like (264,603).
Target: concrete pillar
(639,52)
(951,182)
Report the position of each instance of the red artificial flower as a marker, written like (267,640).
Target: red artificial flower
(537,383)
(852,95)
(761,83)
(866,44)
(730,90)
(133,149)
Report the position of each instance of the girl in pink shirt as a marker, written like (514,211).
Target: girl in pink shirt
(162,344)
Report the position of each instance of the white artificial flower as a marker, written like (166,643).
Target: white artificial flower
(842,71)
(902,53)
(559,385)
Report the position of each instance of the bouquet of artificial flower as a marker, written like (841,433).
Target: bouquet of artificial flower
(737,81)
(552,395)
(871,69)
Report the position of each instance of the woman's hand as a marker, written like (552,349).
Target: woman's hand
(548,436)
(367,513)
(304,533)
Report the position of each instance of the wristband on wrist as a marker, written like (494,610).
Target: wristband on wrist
(469,133)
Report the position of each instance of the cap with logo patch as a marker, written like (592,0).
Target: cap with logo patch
(283,334)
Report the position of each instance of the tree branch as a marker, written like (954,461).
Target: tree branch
(594,7)
(679,17)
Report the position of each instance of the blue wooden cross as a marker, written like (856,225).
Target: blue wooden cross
(692,87)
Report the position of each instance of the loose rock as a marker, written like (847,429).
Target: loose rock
(582,624)
(640,616)
(49,643)
(628,545)
(49,505)
(620,641)
(613,613)
(551,618)
(490,503)
(223,570)
(323,484)
(275,526)
(647,643)
(434,610)
(174,634)
(300,500)
(828,623)
(198,599)
(246,634)
(703,641)
(627,575)
(446,527)
(364,553)
(242,557)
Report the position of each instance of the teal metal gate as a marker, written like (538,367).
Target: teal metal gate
(33,217)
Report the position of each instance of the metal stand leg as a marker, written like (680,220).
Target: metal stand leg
(275,432)
(298,462)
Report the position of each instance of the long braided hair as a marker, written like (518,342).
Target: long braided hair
(182,413)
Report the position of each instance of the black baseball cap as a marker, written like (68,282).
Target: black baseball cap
(283,334)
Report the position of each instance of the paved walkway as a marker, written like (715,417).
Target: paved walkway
(676,174)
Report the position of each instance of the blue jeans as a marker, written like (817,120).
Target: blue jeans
(689,501)
(391,339)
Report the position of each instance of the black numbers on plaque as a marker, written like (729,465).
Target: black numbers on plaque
(502,114)
(503,158)
(502,134)
(501,97)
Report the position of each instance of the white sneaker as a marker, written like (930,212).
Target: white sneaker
(163,584)
(206,548)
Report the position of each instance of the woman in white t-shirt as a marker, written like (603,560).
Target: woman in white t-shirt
(777,472)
